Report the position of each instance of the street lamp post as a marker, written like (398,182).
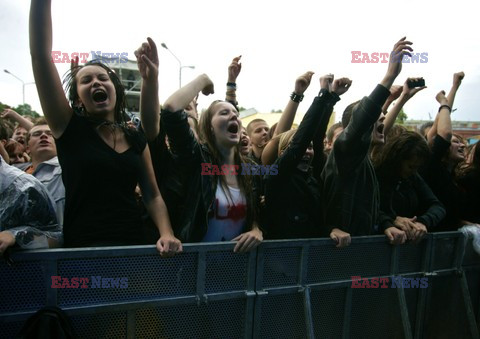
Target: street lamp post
(180,67)
(23,83)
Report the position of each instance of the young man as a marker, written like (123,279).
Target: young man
(257,131)
(45,166)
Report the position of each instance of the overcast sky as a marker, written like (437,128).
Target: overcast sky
(278,41)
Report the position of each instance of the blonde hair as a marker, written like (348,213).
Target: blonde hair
(284,140)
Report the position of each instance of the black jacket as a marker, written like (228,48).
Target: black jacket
(349,184)
(442,182)
(292,197)
(200,190)
(408,198)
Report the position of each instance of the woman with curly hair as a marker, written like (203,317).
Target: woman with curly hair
(405,199)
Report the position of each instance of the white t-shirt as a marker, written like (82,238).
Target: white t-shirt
(227,219)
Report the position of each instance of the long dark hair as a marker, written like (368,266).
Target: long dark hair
(473,166)
(399,148)
(70,83)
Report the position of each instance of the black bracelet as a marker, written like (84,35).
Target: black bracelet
(231,84)
(296,97)
(445,106)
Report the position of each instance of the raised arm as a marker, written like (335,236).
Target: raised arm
(450,98)
(147,60)
(310,122)
(12,115)
(407,94)
(354,142)
(444,122)
(395,92)
(286,120)
(400,49)
(55,106)
(233,71)
(183,96)
(337,88)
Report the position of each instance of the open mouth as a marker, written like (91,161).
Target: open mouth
(380,128)
(244,142)
(233,128)
(99,95)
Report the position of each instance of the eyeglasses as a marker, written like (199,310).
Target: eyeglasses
(36,134)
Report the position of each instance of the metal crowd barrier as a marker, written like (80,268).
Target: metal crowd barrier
(284,289)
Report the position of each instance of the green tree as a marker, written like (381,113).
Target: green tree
(401,117)
(3,107)
(26,110)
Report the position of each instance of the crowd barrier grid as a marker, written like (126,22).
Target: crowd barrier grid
(284,289)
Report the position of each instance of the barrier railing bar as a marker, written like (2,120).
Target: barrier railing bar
(407,328)
(302,278)
(441,235)
(257,310)
(308,313)
(124,251)
(249,309)
(302,271)
(468,307)
(280,290)
(254,292)
(227,295)
(347,315)
(251,294)
(201,273)
(424,294)
(460,246)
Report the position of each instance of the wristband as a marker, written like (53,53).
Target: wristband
(231,84)
(445,106)
(295,97)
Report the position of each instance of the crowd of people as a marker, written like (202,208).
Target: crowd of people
(83,176)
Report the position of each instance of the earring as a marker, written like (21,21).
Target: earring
(79,109)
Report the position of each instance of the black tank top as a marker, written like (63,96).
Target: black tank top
(100,204)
